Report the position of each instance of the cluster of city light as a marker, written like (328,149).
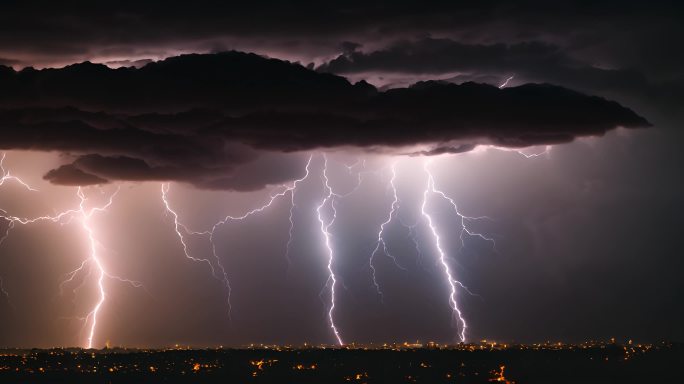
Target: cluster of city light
(415,362)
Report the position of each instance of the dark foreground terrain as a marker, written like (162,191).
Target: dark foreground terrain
(471,363)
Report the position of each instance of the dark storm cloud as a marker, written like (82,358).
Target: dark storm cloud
(444,150)
(128,63)
(216,120)
(70,175)
(527,61)
(431,55)
(51,32)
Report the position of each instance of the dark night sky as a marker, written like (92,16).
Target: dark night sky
(228,101)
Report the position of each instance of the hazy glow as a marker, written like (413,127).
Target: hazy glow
(83,215)
(327,211)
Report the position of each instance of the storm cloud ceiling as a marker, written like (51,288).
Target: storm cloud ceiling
(201,118)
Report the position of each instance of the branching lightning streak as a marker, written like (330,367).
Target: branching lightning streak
(464,218)
(547,149)
(292,208)
(84,215)
(94,260)
(7,176)
(430,188)
(287,189)
(325,230)
(94,257)
(180,227)
(381,240)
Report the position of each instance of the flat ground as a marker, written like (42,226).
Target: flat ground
(473,363)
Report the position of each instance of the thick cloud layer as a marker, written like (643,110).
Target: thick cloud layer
(208,119)
(493,63)
(48,32)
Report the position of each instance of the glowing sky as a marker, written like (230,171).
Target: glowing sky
(580,215)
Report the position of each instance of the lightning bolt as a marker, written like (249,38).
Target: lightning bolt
(329,200)
(442,256)
(6,176)
(85,221)
(325,230)
(181,228)
(505,83)
(547,150)
(381,239)
(64,217)
(94,260)
(464,218)
(430,188)
(84,215)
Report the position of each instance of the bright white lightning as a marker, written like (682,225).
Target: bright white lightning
(430,188)
(325,230)
(547,149)
(178,226)
(381,239)
(522,152)
(94,257)
(181,228)
(464,218)
(287,189)
(505,83)
(83,215)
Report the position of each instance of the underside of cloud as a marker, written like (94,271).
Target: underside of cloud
(241,121)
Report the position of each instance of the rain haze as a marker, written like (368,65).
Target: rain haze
(327,174)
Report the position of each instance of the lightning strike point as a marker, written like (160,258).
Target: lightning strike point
(325,230)
(456,311)
(83,215)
